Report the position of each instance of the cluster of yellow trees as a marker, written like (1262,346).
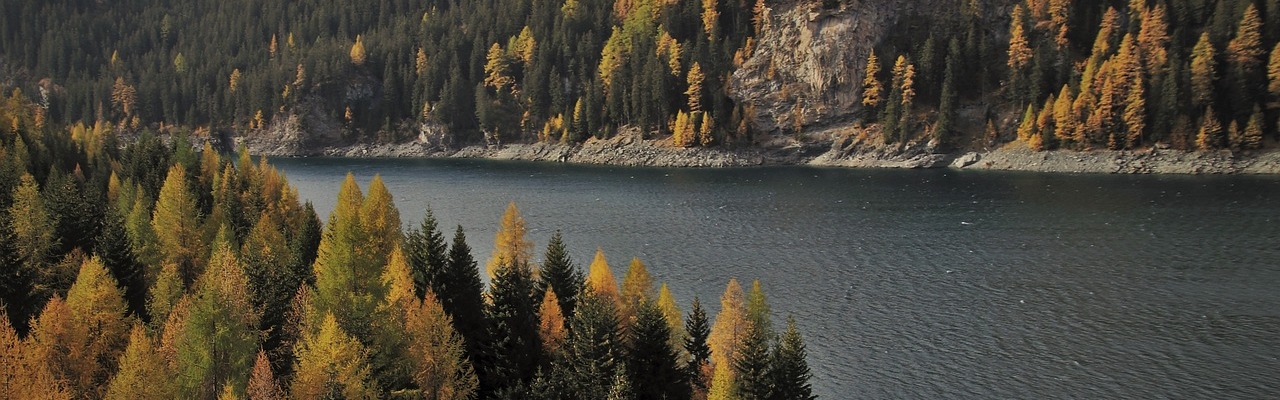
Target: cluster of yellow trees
(225,286)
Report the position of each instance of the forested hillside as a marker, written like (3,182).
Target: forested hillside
(153,271)
(1060,73)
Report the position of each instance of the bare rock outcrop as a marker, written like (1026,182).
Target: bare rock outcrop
(808,62)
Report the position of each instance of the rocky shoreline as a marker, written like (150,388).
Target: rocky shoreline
(629,149)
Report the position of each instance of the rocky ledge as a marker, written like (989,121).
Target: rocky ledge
(1147,161)
(629,148)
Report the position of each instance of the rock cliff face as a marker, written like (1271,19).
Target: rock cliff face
(808,63)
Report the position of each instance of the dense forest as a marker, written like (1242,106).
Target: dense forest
(517,70)
(1191,74)
(153,270)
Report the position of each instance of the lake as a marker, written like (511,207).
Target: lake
(916,283)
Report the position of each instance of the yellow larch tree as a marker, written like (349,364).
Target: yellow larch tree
(551,328)
(1135,114)
(1153,40)
(1059,17)
(1245,50)
(24,368)
(100,329)
(637,287)
(143,372)
(177,225)
(381,221)
(510,248)
(1019,47)
(436,352)
(730,325)
(1273,73)
(871,86)
(1203,71)
(420,62)
(600,279)
(694,92)
(330,359)
(358,52)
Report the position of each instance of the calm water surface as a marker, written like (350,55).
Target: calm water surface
(918,284)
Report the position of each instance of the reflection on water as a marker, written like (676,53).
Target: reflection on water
(919,284)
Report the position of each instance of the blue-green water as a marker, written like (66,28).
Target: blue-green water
(918,284)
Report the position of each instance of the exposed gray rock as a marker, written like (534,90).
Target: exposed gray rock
(965,160)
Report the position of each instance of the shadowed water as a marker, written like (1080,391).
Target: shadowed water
(918,284)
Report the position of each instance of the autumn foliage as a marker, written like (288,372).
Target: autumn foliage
(220,284)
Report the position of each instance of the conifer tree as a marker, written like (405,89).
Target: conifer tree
(949,99)
(1135,114)
(391,368)
(1273,73)
(164,294)
(730,326)
(113,246)
(790,373)
(32,225)
(347,274)
(1059,18)
(1019,54)
(723,384)
(752,361)
(671,312)
(871,86)
(652,362)
(381,223)
(1210,136)
(330,363)
(1027,126)
(1203,72)
(1245,50)
(177,225)
(428,254)
(24,369)
(143,373)
(219,336)
(1251,138)
(593,349)
(559,273)
(600,279)
(694,91)
(551,327)
(437,353)
(358,54)
(1153,39)
(1063,116)
(514,348)
(637,287)
(461,296)
(99,331)
(262,382)
(509,245)
(696,346)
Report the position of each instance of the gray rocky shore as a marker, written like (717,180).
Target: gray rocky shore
(629,149)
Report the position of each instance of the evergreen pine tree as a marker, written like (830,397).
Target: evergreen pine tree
(559,273)
(790,373)
(651,362)
(514,346)
(695,345)
(427,253)
(461,296)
